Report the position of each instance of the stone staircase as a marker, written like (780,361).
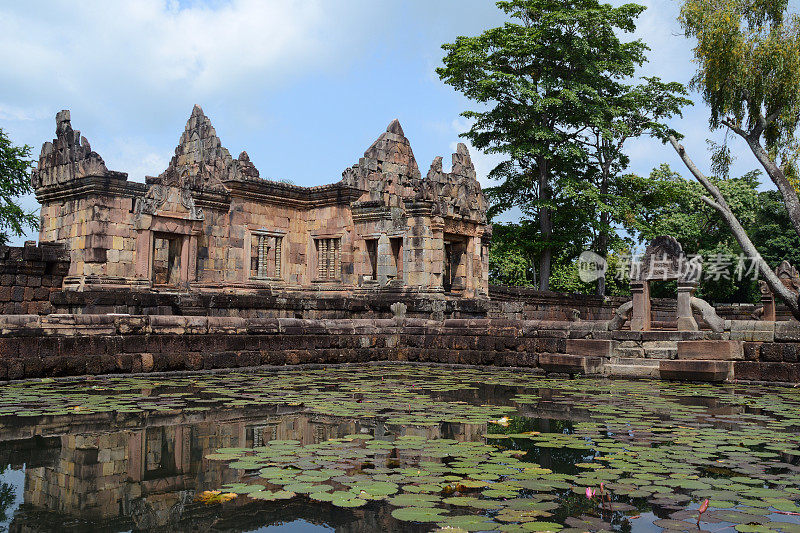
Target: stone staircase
(663,354)
(640,360)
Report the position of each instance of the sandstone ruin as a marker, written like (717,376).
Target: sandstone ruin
(209,222)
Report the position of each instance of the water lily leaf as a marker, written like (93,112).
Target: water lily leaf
(469,523)
(419,514)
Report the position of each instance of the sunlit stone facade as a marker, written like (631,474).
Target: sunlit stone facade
(210,222)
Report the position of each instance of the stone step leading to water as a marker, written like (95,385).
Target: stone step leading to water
(570,364)
(623,367)
(717,350)
(696,370)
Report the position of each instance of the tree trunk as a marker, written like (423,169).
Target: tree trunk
(603,237)
(779,179)
(602,250)
(721,206)
(545,226)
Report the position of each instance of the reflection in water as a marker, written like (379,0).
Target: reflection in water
(147,478)
(121,471)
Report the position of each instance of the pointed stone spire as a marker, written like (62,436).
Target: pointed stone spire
(68,157)
(391,153)
(462,163)
(436,169)
(396,128)
(200,159)
(246,167)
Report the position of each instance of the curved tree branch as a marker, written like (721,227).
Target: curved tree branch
(774,172)
(721,206)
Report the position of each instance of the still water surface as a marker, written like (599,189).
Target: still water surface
(396,448)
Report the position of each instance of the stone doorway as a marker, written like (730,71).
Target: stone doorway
(372,257)
(664,261)
(454,269)
(396,245)
(166,254)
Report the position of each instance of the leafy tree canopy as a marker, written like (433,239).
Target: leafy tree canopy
(553,99)
(15,165)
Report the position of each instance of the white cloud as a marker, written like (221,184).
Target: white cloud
(22,114)
(88,51)
(136,157)
(128,68)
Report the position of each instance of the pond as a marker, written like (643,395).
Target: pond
(397,448)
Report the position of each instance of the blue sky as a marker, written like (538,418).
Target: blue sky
(303,86)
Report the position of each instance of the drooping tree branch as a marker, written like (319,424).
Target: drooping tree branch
(721,206)
(775,173)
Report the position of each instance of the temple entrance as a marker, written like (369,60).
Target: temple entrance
(372,256)
(660,318)
(664,261)
(454,270)
(447,279)
(396,244)
(166,267)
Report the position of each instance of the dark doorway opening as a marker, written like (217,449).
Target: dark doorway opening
(663,299)
(397,255)
(372,256)
(166,259)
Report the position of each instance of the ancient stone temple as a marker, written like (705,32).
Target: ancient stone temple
(210,222)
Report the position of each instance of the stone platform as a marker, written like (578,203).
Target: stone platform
(33,346)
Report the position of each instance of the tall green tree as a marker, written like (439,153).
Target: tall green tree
(15,165)
(545,81)
(748,56)
(631,112)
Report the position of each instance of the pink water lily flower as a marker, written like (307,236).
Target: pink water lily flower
(590,492)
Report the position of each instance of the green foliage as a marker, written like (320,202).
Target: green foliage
(540,80)
(565,278)
(606,189)
(772,231)
(748,55)
(679,212)
(512,258)
(549,84)
(15,165)
(512,261)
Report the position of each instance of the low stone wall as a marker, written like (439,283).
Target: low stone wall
(61,345)
(525,303)
(29,275)
(265,304)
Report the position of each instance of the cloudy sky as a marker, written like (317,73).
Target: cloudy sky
(304,86)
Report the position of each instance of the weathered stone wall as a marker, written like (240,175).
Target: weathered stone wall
(60,345)
(29,275)
(531,304)
(263,304)
(203,222)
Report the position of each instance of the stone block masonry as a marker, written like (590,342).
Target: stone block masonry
(33,346)
(29,275)
(210,222)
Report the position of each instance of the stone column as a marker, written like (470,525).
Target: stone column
(640,318)
(768,301)
(686,321)
(192,259)
(144,250)
(473,262)
(385,266)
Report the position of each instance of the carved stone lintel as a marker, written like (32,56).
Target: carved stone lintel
(158,194)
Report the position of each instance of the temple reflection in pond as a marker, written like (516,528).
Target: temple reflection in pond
(147,477)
